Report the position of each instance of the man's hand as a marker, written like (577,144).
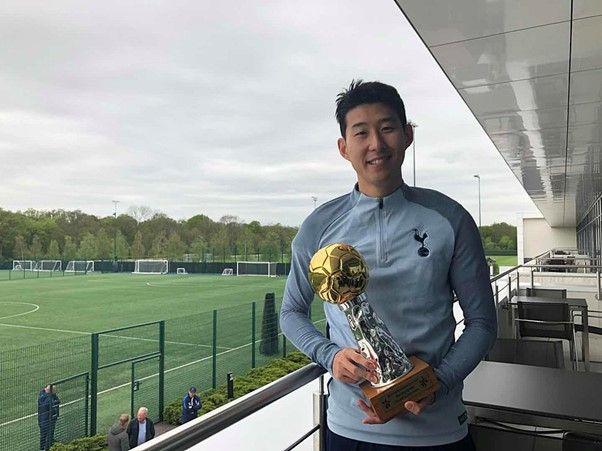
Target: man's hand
(351,367)
(411,406)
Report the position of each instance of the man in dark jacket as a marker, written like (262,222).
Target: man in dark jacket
(191,404)
(141,429)
(48,413)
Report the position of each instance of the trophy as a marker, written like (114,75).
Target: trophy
(339,275)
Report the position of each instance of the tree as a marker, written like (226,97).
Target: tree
(140,213)
(198,248)
(137,248)
(35,249)
(69,249)
(21,252)
(87,247)
(159,246)
(175,248)
(53,252)
(123,250)
(104,245)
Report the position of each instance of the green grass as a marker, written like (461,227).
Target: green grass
(506,260)
(53,318)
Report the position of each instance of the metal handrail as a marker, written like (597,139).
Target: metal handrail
(199,429)
(514,268)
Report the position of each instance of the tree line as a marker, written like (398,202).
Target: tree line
(139,233)
(143,233)
(499,237)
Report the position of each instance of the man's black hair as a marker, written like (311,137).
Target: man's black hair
(360,93)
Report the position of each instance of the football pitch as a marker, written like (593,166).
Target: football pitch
(45,335)
(39,310)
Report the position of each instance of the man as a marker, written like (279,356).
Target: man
(48,414)
(117,438)
(191,404)
(141,429)
(421,247)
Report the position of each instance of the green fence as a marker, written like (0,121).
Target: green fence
(99,376)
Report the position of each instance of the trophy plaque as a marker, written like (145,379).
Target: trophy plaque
(339,275)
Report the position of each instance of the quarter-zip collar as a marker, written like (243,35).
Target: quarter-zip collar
(365,202)
(375,213)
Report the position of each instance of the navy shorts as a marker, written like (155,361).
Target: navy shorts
(335,442)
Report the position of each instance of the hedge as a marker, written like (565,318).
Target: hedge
(254,379)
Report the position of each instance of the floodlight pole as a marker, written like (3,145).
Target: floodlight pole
(414,126)
(478,177)
(115,202)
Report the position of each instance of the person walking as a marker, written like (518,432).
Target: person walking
(117,437)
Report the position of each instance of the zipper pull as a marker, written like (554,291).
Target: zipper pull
(380,203)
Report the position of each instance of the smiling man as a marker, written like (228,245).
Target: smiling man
(421,248)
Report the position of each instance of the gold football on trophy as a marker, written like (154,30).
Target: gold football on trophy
(338,273)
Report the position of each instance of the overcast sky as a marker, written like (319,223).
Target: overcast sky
(219,107)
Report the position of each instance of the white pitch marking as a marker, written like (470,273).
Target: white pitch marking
(144,378)
(36,308)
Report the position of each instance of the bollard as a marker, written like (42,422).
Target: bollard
(230,383)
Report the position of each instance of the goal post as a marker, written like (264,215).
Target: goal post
(81,266)
(256,269)
(48,265)
(228,272)
(151,266)
(23,265)
(181,271)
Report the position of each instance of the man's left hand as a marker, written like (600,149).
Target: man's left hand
(411,406)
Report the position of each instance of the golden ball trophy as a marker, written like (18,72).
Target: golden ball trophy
(338,274)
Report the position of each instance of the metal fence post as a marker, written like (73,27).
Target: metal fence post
(517,283)
(86,403)
(161,367)
(509,287)
(532,276)
(214,351)
(598,279)
(132,389)
(94,385)
(253,310)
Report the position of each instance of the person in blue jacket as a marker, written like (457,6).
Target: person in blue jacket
(48,414)
(191,404)
(423,250)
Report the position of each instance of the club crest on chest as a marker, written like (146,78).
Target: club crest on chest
(423,251)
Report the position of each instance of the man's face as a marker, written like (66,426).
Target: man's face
(375,143)
(191,393)
(141,415)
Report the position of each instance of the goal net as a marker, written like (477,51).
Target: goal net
(84,266)
(150,266)
(228,272)
(23,265)
(181,271)
(256,269)
(48,265)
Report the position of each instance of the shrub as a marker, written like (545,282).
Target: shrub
(254,379)
(94,443)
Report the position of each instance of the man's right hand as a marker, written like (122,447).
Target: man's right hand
(351,367)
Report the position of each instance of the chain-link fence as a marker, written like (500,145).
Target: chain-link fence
(97,377)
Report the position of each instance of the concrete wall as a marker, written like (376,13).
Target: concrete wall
(534,236)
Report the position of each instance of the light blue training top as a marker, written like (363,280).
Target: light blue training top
(412,291)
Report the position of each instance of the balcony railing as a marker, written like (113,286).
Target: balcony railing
(202,428)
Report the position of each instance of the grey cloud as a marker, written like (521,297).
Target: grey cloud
(194,106)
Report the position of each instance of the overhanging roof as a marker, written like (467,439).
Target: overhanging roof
(531,73)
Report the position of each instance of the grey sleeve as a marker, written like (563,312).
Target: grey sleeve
(469,278)
(294,315)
